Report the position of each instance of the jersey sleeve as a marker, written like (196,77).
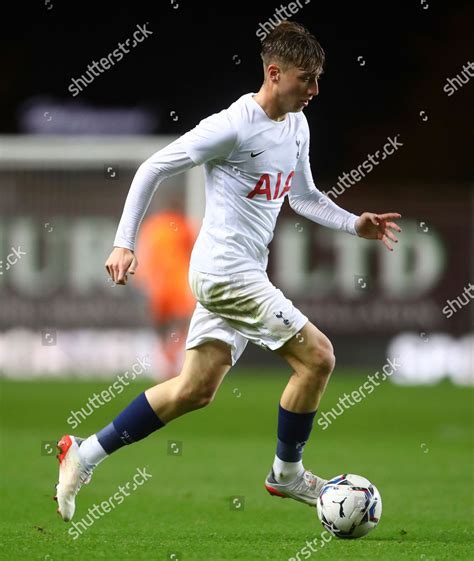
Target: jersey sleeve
(213,138)
(165,163)
(307,200)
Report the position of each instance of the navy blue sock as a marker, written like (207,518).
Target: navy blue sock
(293,432)
(134,423)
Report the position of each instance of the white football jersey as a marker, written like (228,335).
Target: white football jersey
(251,164)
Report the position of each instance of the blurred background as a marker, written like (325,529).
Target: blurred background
(88,94)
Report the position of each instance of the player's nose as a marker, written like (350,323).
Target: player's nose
(314,89)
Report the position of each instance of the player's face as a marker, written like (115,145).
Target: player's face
(296,88)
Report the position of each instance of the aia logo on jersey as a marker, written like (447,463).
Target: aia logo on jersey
(264,187)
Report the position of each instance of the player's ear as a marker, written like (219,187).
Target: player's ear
(273,72)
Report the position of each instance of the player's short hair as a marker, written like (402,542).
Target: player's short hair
(291,44)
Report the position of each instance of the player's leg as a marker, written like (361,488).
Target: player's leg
(261,313)
(203,371)
(310,354)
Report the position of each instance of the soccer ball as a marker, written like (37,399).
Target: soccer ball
(349,506)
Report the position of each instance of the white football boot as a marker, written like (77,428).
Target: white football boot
(73,473)
(305,488)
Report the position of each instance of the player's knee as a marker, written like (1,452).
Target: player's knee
(192,397)
(322,358)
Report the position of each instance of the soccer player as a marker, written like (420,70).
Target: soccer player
(255,153)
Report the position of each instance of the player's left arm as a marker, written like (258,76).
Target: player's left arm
(307,200)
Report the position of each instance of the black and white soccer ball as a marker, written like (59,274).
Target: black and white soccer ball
(349,506)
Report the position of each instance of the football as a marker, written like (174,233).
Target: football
(349,506)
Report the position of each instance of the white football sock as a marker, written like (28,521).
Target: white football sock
(92,451)
(286,472)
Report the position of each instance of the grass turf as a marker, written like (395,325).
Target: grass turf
(209,503)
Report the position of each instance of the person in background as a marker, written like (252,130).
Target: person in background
(163,250)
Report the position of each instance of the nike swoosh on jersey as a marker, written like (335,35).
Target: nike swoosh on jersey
(254,155)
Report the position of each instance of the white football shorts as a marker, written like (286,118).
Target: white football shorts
(239,308)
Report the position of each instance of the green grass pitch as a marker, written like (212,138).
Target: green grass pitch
(208,501)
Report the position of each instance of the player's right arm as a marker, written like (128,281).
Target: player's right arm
(213,138)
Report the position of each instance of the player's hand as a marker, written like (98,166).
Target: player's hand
(377,227)
(120,262)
